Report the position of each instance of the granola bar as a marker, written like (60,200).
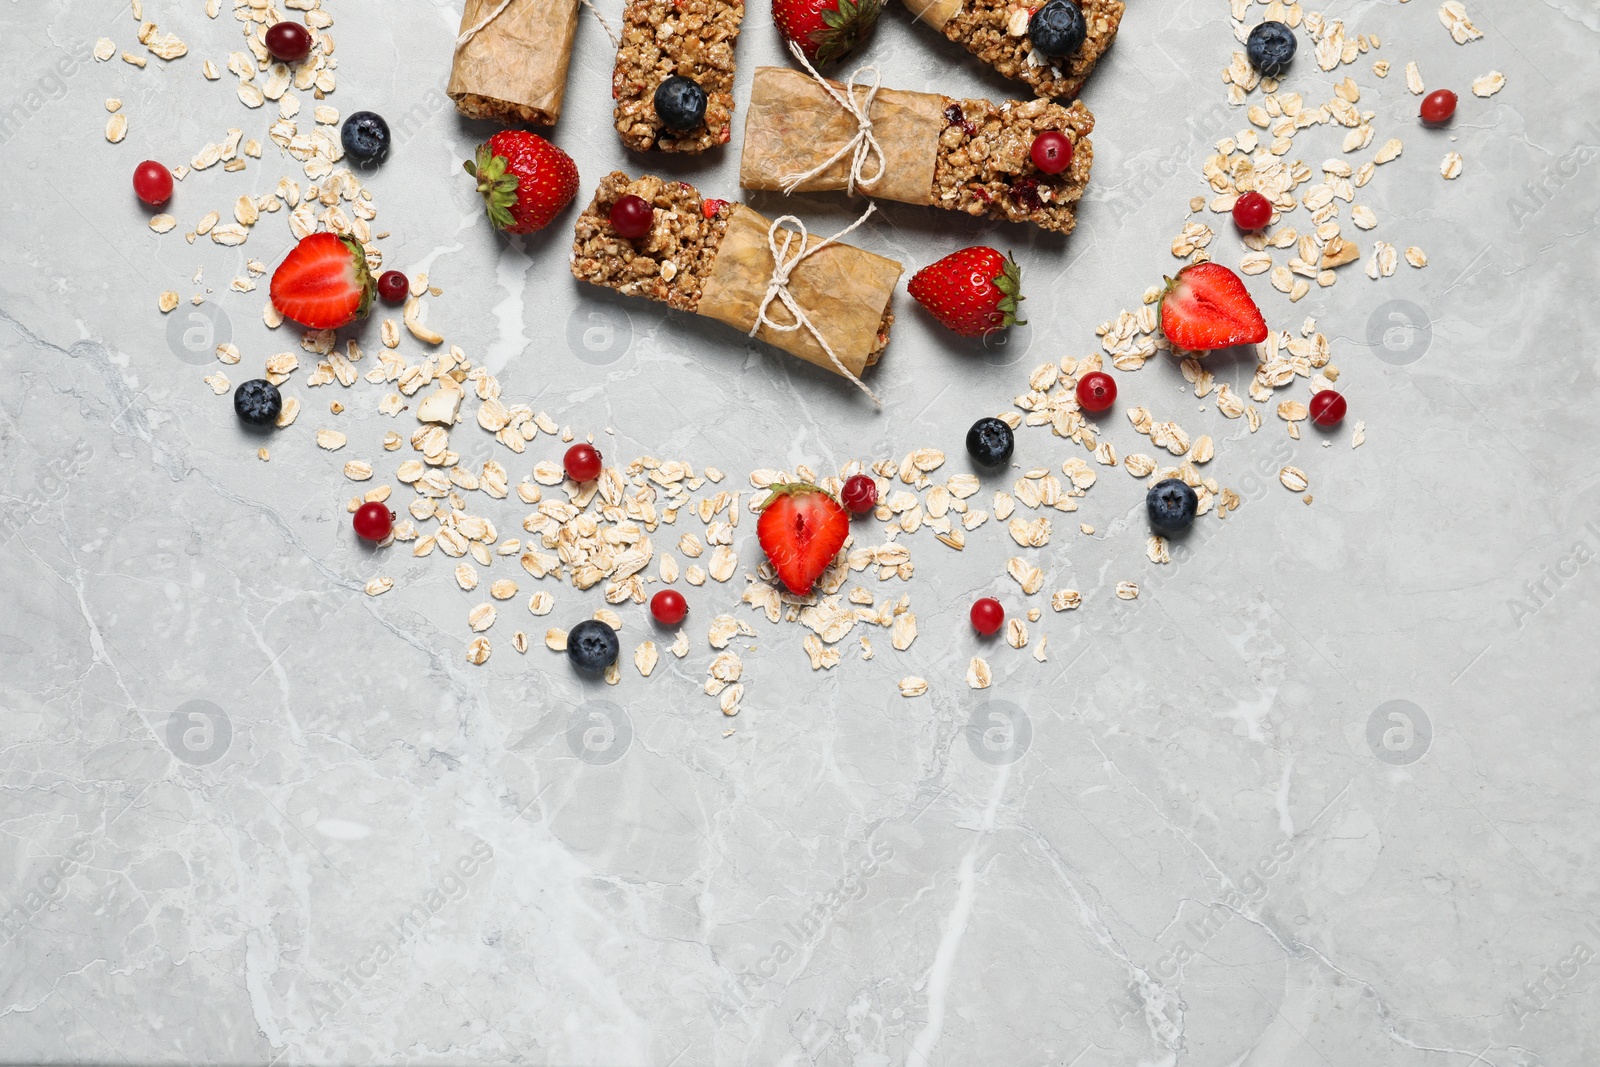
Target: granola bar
(709,257)
(996,31)
(962,155)
(984,166)
(512,66)
(661,38)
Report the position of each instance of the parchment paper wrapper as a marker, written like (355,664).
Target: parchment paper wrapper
(845,292)
(515,68)
(934,12)
(794,126)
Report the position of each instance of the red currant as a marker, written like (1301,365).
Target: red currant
(632,217)
(152,183)
(373,522)
(289,42)
(1438,106)
(1052,152)
(1097,391)
(988,616)
(1252,211)
(669,607)
(583,463)
(860,493)
(1328,408)
(394,287)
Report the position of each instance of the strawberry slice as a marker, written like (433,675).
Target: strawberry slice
(801,529)
(324,282)
(1207,306)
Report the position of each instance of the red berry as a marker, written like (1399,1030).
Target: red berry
(288,42)
(988,616)
(711,207)
(632,217)
(1052,152)
(1097,391)
(582,463)
(1252,211)
(1438,106)
(373,522)
(669,607)
(152,183)
(1328,408)
(394,287)
(860,493)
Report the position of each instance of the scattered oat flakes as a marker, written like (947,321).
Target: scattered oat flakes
(1489,84)
(1293,479)
(1127,591)
(912,686)
(978,674)
(379,586)
(1451,167)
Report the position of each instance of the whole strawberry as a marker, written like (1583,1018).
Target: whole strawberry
(801,529)
(973,292)
(1207,306)
(524,180)
(323,282)
(826,29)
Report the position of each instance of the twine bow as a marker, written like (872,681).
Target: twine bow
(864,145)
(468,35)
(783,265)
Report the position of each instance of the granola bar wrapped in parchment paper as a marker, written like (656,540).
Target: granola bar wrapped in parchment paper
(972,156)
(713,258)
(512,67)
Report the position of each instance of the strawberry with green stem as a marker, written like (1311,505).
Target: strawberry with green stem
(826,29)
(524,180)
(974,291)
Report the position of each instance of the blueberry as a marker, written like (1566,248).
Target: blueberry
(1171,505)
(1057,29)
(680,103)
(258,402)
(1270,48)
(592,646)
(991,442)
(366,137)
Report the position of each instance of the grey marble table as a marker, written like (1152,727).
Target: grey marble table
(1322,795)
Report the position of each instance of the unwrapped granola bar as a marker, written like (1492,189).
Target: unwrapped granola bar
(710,257)
(996,31)
(512,65)
(963,155)
(691,39)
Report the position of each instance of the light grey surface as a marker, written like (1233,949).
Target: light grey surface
(851,878)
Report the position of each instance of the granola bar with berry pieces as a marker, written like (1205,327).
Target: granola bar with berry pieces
(682,39)
(996,31)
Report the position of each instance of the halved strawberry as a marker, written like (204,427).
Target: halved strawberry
(323,282)
(801,529)
(1207,306)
